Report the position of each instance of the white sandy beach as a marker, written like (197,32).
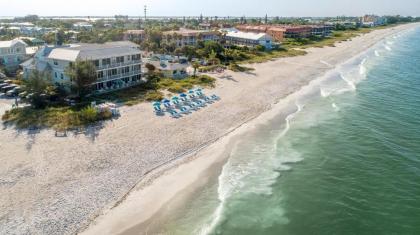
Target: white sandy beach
(60,185)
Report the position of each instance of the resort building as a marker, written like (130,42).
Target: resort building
(248,39)
(118,64)
(186,37)
(12,53)
(134,35)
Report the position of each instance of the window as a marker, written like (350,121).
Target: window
(114,71)
(126,70)
(55,62)
(135,57)
(61,76)
(120,59)
(55,75)
(109,73)
(96,62)
(100,74)
(136,67)
(106,62)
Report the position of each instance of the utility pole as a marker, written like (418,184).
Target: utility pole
(145,13)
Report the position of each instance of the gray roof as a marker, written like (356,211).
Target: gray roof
(94,51)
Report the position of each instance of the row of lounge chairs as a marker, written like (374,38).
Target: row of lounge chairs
(184,104)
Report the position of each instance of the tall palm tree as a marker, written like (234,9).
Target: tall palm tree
(195,65)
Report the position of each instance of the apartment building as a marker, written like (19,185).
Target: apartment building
(118,64)
(186,37)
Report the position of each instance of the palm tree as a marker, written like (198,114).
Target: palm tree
(82,73)
(195,65)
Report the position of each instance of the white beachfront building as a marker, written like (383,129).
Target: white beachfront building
(12,53)
(118,64)
(248,39)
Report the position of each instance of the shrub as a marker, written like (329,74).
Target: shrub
(154,96)
(177,88)
(204,79)
(88,114)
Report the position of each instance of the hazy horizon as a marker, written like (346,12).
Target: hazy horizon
(297,8)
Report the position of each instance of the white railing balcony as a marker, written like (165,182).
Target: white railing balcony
(116,65)
(118,76)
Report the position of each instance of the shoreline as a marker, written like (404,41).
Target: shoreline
(185,174)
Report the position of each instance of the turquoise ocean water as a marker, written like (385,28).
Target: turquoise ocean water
(346,160)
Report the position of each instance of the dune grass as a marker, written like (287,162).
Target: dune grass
(58,118)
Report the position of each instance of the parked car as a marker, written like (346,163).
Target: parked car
(8,88)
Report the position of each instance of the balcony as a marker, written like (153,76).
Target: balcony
(119,76)
(116,65)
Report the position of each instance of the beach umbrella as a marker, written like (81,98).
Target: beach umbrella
(156,104)
(183,95)
(166,101)
(191,91)
(199,89)
(175,98)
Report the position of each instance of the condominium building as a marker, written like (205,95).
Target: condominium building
(186,37)
(248,39)
(12,53)
(118,64)
(135,35)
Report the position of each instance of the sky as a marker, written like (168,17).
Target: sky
(285,8)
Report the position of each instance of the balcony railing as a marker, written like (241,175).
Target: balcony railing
(116,65)
(118,76)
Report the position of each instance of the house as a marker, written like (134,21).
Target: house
(12,53)
(134,35)
(248,39)
(118,64)
(187,37)
(169,66)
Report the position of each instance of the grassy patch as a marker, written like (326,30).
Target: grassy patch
(179,86)
(58,118)
(336,37)
(264,56)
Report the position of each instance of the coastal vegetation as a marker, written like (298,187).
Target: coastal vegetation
(57,117)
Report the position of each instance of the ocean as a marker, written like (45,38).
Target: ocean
(343,157)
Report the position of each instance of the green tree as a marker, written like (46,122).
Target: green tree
(82,73)
(150,68)
(39,88)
